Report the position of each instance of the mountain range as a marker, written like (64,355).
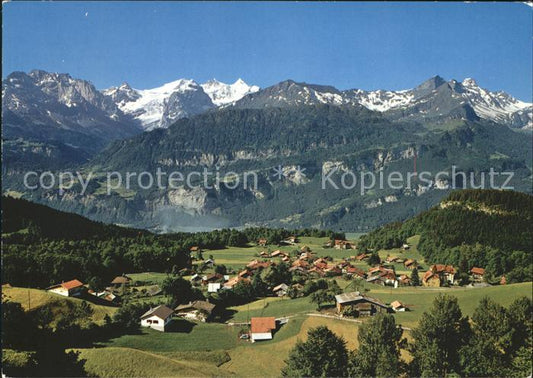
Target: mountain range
(52,121)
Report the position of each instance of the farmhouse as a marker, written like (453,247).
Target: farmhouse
(198,310)
(439,275)
(261,328)
(362,256)
(118,281)
(280,290)
(478,274)
(73,288)
(153,290)
(157,318)
(397,306)
(278,253)
(364,305)
(354,271)
(410,263)
(342,244)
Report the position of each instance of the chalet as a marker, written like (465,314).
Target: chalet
(439,275)
(354,271)
(234,281)
(261,328)
(342,244)
(281,290)
(195,249)
(208,263)
(404,280)
(157,318)
(262,242)
(478,274)
(278,253)
(286,259)
(410,263)
(301,263)
(214,277)
(264,254)
(119,281)
(306,256)
(363,304)
(290,240)
(213,287)
(305,249)
(153,290)
(245,273)
(196,278)
(391,259)
(73,288)
(198,310)
(397,306)
(332,270)
(255,264)
(503,281)
(362,256)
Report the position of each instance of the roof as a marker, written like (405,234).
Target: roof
(160,311)
(281,287)
(428,275)
(263,325)
(197,305)
(72,284)
(356,296)
(396,304)
(479,271)
(443,268)
(153,290)
(121,280)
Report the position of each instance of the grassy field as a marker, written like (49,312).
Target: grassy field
(189,337)
(127,362)
(198,350)
(32,298)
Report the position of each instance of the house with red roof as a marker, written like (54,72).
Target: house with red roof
(72,288)
(478,274)
(261,328)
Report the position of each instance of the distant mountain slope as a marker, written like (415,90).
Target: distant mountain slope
(45,222)
(485,228)
(56,108)
(434,99)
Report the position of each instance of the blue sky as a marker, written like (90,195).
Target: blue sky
(348,45)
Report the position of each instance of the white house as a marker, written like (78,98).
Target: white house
(157,318)
(262,328)
(71,288)
(213,287)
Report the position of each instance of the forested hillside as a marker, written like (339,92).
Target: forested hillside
(484,228)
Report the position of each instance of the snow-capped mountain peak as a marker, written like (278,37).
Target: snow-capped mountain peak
(223,94)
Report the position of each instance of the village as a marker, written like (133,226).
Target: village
(305,266)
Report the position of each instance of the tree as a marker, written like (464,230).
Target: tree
(441,333)
(178,288)
(128,316)
(487,353)
(415,277)
(221,269)
(379,348)
(324,354)
(374,259)
(326,295)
